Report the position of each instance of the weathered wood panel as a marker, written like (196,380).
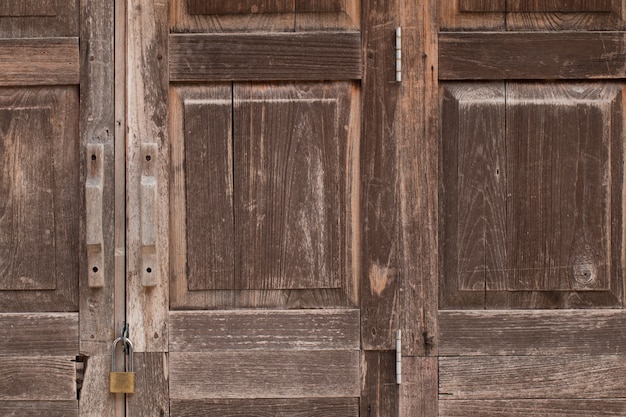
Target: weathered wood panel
(563,6)
(532,408)
(209,189)
(40,232)
(494,56)
(246,56)
(151,396)
(482,5)
(39,408)
(52,61)
(39,18)
(54,334)
(239,7)
(274,407)
(419,388)
(532,377)
(37,378)
(12,8)
(264,330)
(317,15)
(291,185)
(380,392)
(95,398)
(543,332)
(470,15)
(320,5)
(264,374)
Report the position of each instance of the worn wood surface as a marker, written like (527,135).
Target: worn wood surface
(151,396)
(539,6)
(95,398)
(14,8)
(482,5)
(456,15)
(248,56)
(526,377)
(147,69)
(51,61)
(264,330)
(39,408)
(340,15)
(37,334)
(39,18)
(264,374)
(40,142)
(419,388)
(41,378)
(533,408)
(493,56)
(379,390)
(273,407)
(541,332)
(240,7)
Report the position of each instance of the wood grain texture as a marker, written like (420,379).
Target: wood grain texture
(274,407)
(264,330)
(44,378)
(95,398)
(456,15)
(541,332)
(151,397)
(532,408)
(39,18)
(246,56)
(494,56)
(482,5)
(209,189)
(264,374)
(147,87)
(52,61)
(339,15)
(563,6)
(321,5)
(38,334)
(419,388)
(379,391)
(39,408)
(562,19)
(240,7)
(531,377)
(40,233)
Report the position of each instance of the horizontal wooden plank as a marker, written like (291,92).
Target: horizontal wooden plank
(37,378)
(532,377)
(39,334)
(533,408)
(39,408)
(272,407)
(195,7)
(268,56)
(539,6)
(531,55)
(48,61)
(22,8)
(482,5)
(528,332)
(263,374)
(198,331)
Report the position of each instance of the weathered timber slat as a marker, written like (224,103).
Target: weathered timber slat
(270,56)
(195,7)
(264,329)
(539,6)
(271,407)
(541,332)
(15,8)
(39,334)
(39,408)
(264,374)
(51,61)
(537,55)
(532,377)
(533,408)
(38,378)
(482,5)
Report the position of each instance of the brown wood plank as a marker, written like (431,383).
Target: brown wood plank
(290,202)
(28,8)
(563,6)
(244,56)
(380,392)
(52,61)
(39,408)
(94,390)
(542,332)
(325,15)
(532,377)
(559,187)
(320,5)
(274,407)
(452,17)
(37,334)
(151,396)
(533,408)
(264,330)
(37,378)
(264,374)
(239,7)
(484,56)
(419,388)
(209,188)
(473,201)
(482,5)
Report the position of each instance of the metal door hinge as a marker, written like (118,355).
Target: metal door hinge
(398,357)
(399,54)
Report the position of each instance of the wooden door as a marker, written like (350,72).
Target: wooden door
(56,252)
(531,301)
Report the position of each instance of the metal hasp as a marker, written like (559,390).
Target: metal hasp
(399,54)
(122,382)
(398,357)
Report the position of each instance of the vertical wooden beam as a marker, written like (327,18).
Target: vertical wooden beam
(97,129)
(151,396)
(419,388)
(147,153)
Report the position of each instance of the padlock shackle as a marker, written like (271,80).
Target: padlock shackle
(129,353)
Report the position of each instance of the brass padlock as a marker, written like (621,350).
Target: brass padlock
(122,382)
